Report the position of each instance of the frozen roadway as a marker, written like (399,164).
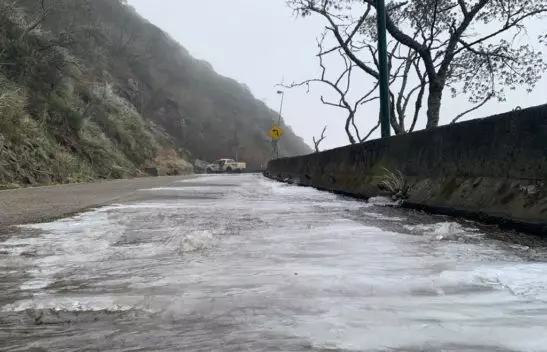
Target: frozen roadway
(242,263)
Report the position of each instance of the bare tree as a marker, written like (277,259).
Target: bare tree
(341,86)
(453,54)
(402,63)
(317,142)
(411,81)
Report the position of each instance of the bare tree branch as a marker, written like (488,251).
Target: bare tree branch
(371,132)
(317,142)
(433,23)
(476,107)
(343,42)
(505,28)
(341,85)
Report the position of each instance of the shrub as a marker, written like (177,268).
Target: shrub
(395,183)
(12,113)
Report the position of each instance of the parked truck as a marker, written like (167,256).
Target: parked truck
(226,166)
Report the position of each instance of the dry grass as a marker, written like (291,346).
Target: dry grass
(60,122)
(395,183)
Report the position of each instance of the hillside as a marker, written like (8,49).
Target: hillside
(89,89)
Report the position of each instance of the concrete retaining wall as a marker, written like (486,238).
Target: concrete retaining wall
(494,169)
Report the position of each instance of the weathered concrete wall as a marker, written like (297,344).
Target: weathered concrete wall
(493,169)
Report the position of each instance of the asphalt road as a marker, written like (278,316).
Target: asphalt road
(28,205)
(242,263)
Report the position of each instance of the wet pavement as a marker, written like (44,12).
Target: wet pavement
(242,263)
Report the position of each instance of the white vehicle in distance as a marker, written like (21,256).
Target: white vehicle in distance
(226,166)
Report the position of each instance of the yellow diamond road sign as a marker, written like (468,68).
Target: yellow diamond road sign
(275,132)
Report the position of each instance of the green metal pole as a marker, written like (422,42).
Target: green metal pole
(279,121)
(384,73)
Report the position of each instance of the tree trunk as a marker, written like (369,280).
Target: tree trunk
(392,116)
(434,104)
(348,132)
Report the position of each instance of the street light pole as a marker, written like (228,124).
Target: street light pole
(282,93)
(384,73)
(276,142)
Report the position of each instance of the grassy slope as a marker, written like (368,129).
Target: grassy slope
(58,122)
(203,113)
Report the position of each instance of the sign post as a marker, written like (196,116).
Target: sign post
(276,132)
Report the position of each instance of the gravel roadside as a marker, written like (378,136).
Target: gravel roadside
(31,205)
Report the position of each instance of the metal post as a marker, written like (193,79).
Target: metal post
(279,121)
(281,107)
(384,73)
(274,149)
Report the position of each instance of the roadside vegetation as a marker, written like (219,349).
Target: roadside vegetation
(395,183)
(58,123)
(89,90)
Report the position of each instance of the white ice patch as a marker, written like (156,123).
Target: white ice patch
(152,206)
(195,241)
(77,304)
(69,243)
(36,284)
(383,217)
(73,248)
(185,189)
(525,280)
(298,269)
(444,231)
(382,201)
(521,279)
(12,248)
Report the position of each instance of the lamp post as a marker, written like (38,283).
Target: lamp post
(282,93)
(276,142)
(384,73)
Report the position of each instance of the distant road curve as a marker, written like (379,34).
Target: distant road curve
(30,205)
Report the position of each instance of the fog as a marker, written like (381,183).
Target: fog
(263,43)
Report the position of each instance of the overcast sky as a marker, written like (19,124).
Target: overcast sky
(261,43)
